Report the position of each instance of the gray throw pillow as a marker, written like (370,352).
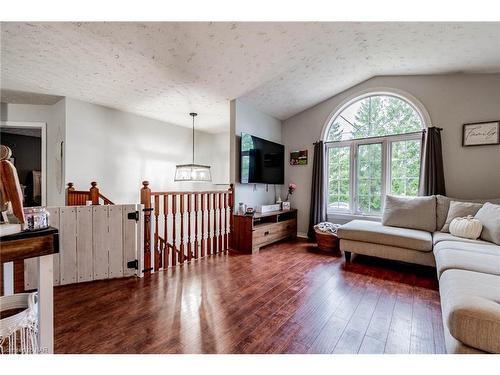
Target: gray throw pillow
(443,205)
(489,216)
(410,212)
(460,209)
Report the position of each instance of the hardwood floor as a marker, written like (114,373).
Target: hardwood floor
(287,299)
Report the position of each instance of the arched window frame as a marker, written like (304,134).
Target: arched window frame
(386,142)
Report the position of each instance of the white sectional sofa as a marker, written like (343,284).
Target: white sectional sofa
(468,270)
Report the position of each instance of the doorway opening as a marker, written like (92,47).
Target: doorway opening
(27,142)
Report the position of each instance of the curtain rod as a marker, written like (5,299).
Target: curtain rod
(383,136)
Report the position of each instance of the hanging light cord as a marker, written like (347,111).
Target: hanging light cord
(193,114)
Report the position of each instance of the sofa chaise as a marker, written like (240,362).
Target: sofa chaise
(468,270)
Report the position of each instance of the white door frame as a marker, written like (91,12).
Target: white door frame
(43,128)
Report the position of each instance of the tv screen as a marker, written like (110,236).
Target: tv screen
(261,161)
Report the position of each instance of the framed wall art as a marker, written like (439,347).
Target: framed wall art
(481,133)
(298,157)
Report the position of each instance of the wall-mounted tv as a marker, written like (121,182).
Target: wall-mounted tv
(261,161)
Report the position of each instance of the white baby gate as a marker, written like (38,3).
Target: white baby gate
(95,242)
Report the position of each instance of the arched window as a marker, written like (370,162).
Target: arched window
(373,144)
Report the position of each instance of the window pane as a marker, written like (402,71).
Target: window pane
(369,178)
(338,178)
(374,116)
(405,167)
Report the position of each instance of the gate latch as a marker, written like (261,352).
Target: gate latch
(133,263)
(133,215)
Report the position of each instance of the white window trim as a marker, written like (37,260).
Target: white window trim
(353,213)
(414,102)
(386,142)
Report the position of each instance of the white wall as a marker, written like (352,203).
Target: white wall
(215,148)
(119,150)
(451,101)
(54,117)
(247,119)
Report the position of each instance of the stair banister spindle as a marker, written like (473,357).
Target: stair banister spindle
(196,196)
(221,233)
(146,201)
(214,200)
(209,238)
(156,235)
(203,209)
(189,246)
(165,231)
(231,219)
(226,201)
(174,231)
(182,255)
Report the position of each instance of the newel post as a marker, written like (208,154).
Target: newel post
(231,219)
(146,201)
(94,193)
(69,190)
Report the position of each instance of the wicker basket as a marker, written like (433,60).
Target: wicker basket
(326,241)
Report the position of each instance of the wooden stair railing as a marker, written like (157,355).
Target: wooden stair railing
(185,225)
(80,197)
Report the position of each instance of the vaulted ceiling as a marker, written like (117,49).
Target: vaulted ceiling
(165,70)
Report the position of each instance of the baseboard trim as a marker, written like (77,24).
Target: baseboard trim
(301,235)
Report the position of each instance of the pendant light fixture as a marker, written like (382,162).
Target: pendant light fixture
(193,172)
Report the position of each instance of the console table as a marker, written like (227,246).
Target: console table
(251,232)
(41,244)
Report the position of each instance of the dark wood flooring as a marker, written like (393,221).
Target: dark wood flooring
(287,299)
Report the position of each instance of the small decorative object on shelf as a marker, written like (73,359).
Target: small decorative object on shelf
(250,211)
(291,188)
(35,218)
(279,201)
(241,208)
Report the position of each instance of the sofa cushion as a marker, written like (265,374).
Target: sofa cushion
(425,258)
(375,232)
(441,236)
(471,308)
(489,216)
(460,209)
(410,212)
(476,246)
(452,258)
(443,205)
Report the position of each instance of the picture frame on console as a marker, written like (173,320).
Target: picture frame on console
(481,133)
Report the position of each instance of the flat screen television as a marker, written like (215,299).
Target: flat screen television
(261,161)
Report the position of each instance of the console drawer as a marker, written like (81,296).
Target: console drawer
(274,232)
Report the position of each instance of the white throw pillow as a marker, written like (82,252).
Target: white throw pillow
(466,227)
(460,209)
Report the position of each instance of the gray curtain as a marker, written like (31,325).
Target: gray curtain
(431,165)
(317,211)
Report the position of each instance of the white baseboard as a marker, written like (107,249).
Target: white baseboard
(301,235)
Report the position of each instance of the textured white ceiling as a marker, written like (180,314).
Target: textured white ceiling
(165,70)
(22,97)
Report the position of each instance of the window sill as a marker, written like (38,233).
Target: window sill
(341,218)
